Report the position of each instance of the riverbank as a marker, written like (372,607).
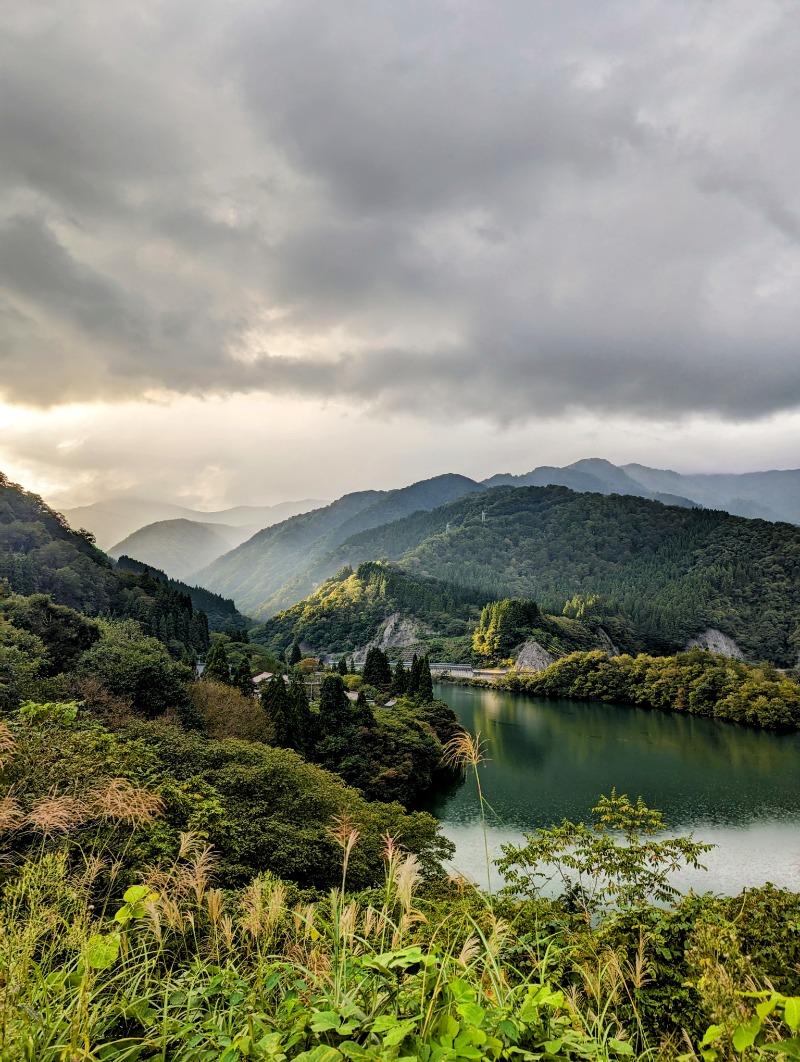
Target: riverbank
(696,683)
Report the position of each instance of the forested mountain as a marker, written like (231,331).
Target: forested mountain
(114,519)
(668,572)
(771,495)
(592,475)
(221,612)
(181,547)
(41,554)
(256,572)
(348,611)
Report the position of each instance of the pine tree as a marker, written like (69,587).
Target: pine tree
(377,672)
(306,722)
(242,678)
(295,656)
(216,666)
(399,680)
(335,715)
(425,689)
(342,668)
(280,710)
(362,713)
(412,687)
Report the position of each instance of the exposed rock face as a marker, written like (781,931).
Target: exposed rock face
(716,642)
(534,657)
(604,642)
(400,631)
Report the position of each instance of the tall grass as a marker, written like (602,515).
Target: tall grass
(177,970)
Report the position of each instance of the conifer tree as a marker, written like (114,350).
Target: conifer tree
(362,713)
(399,680)
(377,672)
(295,656)
(334,707)
(342,667)
(306,722)
(412,687)
(425,687)
(242,679)
(280,710)
(216,666)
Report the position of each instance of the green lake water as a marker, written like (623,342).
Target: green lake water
(736,787)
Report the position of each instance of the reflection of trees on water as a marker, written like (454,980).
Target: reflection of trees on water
(548,759)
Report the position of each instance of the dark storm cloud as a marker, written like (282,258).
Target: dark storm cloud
(504,208)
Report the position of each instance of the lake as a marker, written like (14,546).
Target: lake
(736,787)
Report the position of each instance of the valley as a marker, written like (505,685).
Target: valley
(264,744)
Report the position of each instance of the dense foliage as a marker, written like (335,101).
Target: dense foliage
(221,612)
(661,573)
(262,808)
(503,625)
(348,610)
(696,682)
(40,554)
(118,943)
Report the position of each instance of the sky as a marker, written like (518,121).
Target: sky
(274,249)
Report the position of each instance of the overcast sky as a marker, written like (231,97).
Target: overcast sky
(265,249)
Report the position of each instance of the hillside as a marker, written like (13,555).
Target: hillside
(181,547)
(591,475)
(353,608)
(772,495)
(41,554)
(258,570)
(113,519)
(221,612)
(667,572)
(382,603)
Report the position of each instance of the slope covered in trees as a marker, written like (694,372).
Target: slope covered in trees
(275,568)
(41,554)
(348,610)
(661,573)
(221,612)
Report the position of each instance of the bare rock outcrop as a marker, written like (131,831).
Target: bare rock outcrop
(716,642)
(533,657)
(604,642)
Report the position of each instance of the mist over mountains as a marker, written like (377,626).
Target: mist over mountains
(113,519)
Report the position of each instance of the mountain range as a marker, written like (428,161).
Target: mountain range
(430,528)
(112,520)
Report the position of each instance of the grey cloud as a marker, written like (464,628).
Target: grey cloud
(496,208)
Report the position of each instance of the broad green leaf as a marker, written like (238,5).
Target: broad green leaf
(791,1012)
(396,1036)
(320,1054)
(136,893)
(325,1020)
(713,1032)
(102,951)
(745,1034)
(472,1012)
(766,1006)
(787,1048)
(620,1047)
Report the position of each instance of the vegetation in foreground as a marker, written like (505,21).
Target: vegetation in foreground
(111,950)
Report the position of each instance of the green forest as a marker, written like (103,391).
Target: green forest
(659,573)
(347,610)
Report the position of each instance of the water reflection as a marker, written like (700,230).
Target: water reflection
(734,786)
